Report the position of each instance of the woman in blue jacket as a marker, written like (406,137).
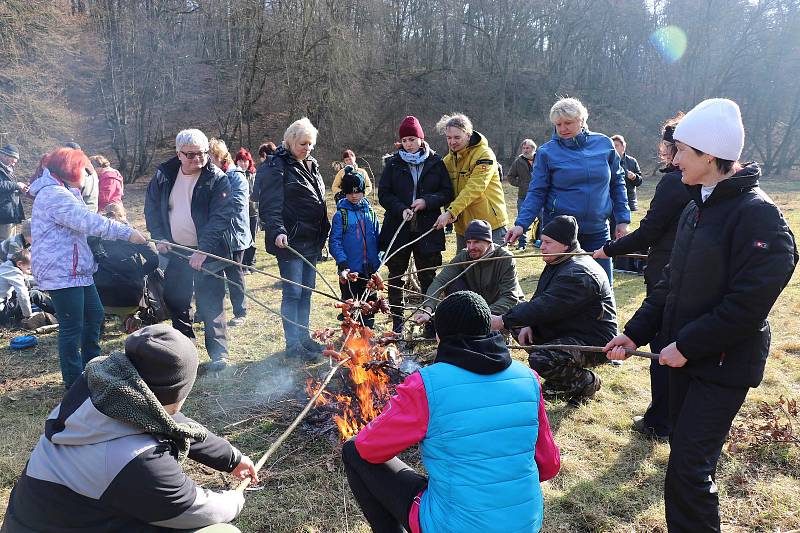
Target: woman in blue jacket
(576,173)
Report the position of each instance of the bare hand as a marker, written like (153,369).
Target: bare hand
(422,316)
(671,356)
(443,220)
(137,237)
(599,254)
(630,175)
(525,337)
(408,214)
(513,234)
(245,469)
(22,186)
(616,347)
(343,276)
(196,260)
(282,241)
(621,230)
(418,205)
(163,248)
(497,323)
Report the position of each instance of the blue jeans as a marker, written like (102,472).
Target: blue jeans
(296,301)
(591,242)
(80,317)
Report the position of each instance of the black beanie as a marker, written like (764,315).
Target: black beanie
(478,230)
(352,181)
(165,359)
(463,312)
(564,229)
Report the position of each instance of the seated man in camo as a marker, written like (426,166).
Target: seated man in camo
(573,305)
(495,280)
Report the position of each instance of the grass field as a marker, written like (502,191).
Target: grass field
(611,479)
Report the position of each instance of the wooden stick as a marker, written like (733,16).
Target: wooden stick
(275,445)
(595,349)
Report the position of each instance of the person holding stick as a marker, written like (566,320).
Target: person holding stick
(111,455)
(733,255)
(573,304)
(480,420)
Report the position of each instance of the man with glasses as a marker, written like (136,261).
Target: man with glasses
(10,192)
(188,203)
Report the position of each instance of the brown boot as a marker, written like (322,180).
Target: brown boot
(587,393)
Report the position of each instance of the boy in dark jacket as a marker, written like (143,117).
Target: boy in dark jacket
(111,455)
(354,238)
(734,253)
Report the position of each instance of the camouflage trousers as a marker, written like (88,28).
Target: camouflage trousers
(565,372)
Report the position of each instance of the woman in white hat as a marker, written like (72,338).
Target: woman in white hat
(733,255)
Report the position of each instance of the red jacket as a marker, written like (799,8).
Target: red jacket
(110,187)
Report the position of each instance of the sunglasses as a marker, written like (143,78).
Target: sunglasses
(192,155)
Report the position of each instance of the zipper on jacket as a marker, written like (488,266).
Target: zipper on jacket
(721,358)
(74,260)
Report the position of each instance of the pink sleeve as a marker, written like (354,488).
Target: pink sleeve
(403,423)
(548,456)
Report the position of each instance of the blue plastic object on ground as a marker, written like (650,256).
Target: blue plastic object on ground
(24,341)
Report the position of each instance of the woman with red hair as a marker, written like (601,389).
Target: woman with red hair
(245,162)
(62,262)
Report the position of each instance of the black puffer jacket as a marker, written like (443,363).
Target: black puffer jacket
(11,211)
(572,299)
(733,256)
(657,229)
(292,202)
(121,269)
(212,208)
(396,192)
(631,164)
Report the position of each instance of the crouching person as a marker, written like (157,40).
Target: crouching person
(111,453)
(573,304)
(484,437)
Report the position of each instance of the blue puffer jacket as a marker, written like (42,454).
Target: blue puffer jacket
(240,194)
(479,451)
(581,177)
(356,246)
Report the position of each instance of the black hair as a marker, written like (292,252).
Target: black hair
(723,165)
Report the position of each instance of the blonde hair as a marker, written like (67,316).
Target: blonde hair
(218,149)
(569,108)
(456,120)
(100,161)
(297,129)
(116,211)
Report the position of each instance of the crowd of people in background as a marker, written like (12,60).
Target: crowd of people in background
(719,252)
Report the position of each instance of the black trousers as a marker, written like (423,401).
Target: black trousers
(235,274)
(399,264)
(384,491)
(249,258)
(181,281)
(701,414)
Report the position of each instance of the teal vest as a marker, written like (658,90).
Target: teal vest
(479,451)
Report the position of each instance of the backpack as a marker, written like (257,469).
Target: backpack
(155,308)
(343,213)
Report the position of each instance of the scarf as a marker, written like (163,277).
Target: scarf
(418,157)
(117,391)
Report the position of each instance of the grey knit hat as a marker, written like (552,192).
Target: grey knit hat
(165,359)
(463,312)
(10,150)
(478,230)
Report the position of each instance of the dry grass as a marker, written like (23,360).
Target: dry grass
(611,480)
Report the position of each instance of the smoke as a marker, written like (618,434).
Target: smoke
(278,383)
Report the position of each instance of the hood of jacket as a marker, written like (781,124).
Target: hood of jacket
(483,354)
(742,181)
(48,180)
(573,143)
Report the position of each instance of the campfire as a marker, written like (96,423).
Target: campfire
(368,378)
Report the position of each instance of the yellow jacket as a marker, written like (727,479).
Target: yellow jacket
(476,184)
(337,181)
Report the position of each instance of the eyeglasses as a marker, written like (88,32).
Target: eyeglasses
(192,155)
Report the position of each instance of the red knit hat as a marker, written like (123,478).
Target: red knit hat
(410,127)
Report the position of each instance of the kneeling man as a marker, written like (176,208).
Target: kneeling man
(573,304)
(496,280)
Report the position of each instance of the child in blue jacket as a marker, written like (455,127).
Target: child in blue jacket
(354,238)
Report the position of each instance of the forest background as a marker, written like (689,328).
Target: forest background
(122,77)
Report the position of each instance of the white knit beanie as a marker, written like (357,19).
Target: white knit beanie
(715,127)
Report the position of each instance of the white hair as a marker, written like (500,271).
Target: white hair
(528,142)
(456,120)
(569,108)
(297,129)
(191,136)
